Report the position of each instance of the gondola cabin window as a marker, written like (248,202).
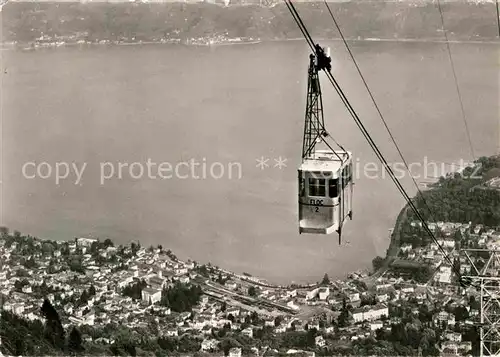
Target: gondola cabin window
(302,189)
(333,190)
(317,187)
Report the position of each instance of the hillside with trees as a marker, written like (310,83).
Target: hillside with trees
(25,22)
(460,197)
(465,197)
(181,297)
(34,338)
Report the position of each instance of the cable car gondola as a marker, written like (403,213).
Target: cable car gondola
(325,176)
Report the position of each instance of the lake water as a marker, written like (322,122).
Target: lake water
(229,104)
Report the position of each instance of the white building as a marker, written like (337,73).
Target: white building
(89,318)
(235,352)
(231,285)
(291,304)
(320,341)
(370,313)
(171,333)
(382,297)
(151,296)
(376,325)
(248,332)
(405,248)
(446,243)
(85,242)
(209,345)
(312,294)
(324,293)
(450,347)
(444,275)
(383,286)
(453,336)
(354,297)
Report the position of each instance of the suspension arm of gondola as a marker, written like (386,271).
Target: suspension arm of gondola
(314,128)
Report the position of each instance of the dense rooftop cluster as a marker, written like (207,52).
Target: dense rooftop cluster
(93,297)
(93,285)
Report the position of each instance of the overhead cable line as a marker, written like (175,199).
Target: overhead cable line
(456,80)
(498,17)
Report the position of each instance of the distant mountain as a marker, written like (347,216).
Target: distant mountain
(26,21)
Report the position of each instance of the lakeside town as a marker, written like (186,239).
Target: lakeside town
(46,41)
(94,283)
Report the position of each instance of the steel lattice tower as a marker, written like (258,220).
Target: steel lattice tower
(487,281)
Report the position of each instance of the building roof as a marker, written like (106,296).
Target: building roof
(156,280)
(151,291)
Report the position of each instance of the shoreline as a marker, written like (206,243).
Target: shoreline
(53,45)
(395,244)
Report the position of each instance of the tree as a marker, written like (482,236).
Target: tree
(252,291)
(311,337)
(76,265)
(135,290)
(30,263)
(4,232)
(220,279)
(368,300)
(181,297)
(461,313)
(326,280)
(51,269)
(75,341)
(92,290)
(84,298)
(94,248)
(255,317)
(54,331)
(203,270)
(227,344)
(65,250)
(47,248)
(344,314)
(377,263)
(19,284)
(278,320)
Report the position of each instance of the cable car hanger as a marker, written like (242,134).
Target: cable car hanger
(314,129)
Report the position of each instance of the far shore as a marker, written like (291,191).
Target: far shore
(51,45)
